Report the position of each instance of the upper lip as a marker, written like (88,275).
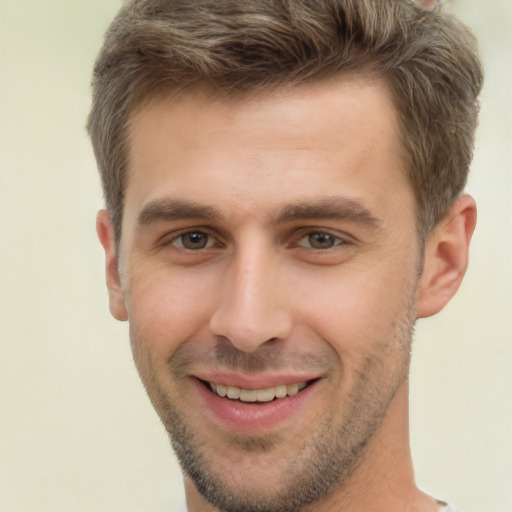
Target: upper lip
(262,381)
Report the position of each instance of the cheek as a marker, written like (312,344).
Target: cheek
(359,312)
(166,309)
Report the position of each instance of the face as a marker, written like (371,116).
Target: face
(268,271)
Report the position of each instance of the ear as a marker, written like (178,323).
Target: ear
(446,257)
(105,232)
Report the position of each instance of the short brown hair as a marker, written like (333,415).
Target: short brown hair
(427,58)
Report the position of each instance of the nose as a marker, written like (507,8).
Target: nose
(250,310)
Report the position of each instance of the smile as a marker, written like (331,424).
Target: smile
(257,395)
(250,409)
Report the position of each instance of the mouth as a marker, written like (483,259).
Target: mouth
(255,406)
(264,395)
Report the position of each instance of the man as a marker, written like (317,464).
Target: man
(284,188)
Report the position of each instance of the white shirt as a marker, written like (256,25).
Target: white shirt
(446,508)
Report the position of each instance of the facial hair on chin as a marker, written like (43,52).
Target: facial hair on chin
(332,451)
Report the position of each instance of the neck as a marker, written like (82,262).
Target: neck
(384,479)
(382,482)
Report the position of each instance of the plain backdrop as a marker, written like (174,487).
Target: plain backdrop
(77,432)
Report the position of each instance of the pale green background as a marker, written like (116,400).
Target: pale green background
(76,430)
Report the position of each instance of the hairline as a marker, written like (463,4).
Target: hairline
(166,91)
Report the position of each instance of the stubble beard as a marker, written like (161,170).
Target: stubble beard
(330,454)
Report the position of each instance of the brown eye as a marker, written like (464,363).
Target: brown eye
(319,240)
(193,241)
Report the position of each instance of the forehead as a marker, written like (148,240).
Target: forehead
(317,139)
(320,111)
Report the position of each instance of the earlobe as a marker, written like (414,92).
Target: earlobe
(105,232)
(446,257)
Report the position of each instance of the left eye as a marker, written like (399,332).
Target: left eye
(193,241)
(319,240)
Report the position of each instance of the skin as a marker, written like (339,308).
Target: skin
(268,298)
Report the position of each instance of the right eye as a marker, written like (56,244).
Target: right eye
(193,241)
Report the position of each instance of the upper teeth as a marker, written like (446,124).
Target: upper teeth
(257,395)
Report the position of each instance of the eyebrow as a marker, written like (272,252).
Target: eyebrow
(169,209)
(332,207)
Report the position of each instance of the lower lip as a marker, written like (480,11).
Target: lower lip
(257,416)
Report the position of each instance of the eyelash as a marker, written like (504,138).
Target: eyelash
(334,240)
(177,241)
(212,241)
